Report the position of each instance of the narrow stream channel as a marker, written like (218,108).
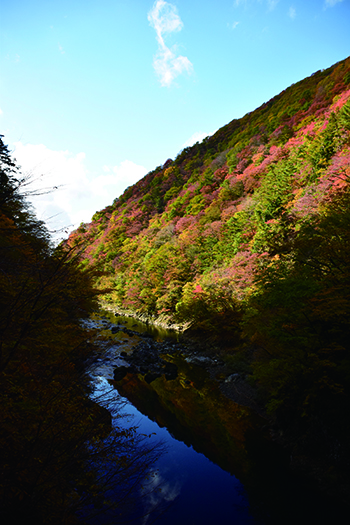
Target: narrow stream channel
(217,466)
(190,489)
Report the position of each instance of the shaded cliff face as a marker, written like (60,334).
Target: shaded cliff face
(188,238)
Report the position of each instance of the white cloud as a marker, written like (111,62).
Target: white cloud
(331,3)
(117,178)
(272,4)
(292,13)
(155,491)
(198,136)
(234,25)
(164,19)
(77,196)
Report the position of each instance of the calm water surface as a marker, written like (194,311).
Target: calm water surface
(193,489)
(217,466)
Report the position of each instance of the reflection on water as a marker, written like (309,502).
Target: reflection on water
(219,466)
(121,464)
(183,485)
(158,493)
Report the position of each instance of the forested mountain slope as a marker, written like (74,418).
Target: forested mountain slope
(189,237)
(248,232)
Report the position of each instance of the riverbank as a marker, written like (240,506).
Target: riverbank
(235,384)
(207,353)
(162,321)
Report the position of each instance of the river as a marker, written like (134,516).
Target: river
(211,461)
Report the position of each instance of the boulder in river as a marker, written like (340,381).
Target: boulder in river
(121,371)
(145,360)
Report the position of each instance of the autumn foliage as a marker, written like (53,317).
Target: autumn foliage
(58,452)
(249,229)
(252,184)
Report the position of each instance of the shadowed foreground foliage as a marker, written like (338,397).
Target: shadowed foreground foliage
(59,456)
(299,318)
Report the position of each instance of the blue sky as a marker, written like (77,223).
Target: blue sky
(94,94)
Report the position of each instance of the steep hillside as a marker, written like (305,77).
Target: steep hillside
(247,234)
(187,239)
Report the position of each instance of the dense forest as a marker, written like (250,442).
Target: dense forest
(55,461)
(244,237)
(247,235)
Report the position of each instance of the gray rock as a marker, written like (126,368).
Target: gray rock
(232,378)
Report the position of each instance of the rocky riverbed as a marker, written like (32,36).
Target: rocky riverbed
(151,358)
(148,352)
